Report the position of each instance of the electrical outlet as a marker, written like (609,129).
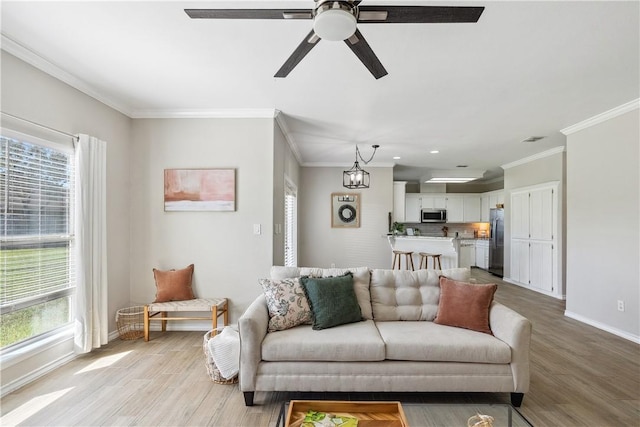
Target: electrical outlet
(620,305)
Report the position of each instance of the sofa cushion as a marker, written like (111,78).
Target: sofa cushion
(428,341)
(331,345)
(465,305)
(332,299)
(287,303)
(409,295)
(361,277)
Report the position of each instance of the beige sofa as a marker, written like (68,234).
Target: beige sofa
(395,348)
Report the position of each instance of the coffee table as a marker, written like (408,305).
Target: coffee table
(446,414)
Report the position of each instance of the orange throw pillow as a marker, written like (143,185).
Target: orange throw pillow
(173,285)
(465,305)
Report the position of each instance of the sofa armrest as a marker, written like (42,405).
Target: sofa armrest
(252,327)
(515,330)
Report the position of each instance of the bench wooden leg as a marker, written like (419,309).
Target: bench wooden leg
(146,323)
(214,319)
(164,322)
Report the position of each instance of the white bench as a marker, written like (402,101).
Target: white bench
(159,311)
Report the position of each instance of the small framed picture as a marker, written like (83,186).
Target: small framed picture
(345,210)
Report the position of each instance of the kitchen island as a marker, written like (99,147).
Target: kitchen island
(447,246)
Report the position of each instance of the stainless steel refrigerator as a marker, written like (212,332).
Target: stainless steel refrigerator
(496,243)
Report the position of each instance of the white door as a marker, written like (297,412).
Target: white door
(541,211)
(541,266)
(520,261)
(520,215)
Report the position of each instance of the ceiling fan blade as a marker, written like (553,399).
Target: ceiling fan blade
(418,14)
(363,51)
(301,51)
(249,13)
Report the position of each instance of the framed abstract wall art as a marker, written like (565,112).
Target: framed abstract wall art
(199,190)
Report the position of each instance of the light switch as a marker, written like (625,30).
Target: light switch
(257,229)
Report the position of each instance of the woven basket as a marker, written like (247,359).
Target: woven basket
(212,369)
(130,322)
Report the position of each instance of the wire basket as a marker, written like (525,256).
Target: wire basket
(212,369)
(130,322)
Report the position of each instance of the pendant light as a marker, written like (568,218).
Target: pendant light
(356,177)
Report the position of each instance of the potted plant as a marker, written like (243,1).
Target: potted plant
(397,228)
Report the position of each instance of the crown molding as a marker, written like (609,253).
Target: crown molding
(541,155)
(345,165)
(602,117)
(282,124)
(217,113)
(33,58)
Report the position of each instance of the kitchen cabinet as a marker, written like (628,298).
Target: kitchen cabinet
(489,201)
(484,208)
(434,201)
(482,254)
(471,208)
(399,196)
(460,207)
(455,208)
(535,215)
(413,204)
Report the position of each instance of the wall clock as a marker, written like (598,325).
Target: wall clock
(345,210)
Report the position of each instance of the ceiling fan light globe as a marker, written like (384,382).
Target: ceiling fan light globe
(335,25)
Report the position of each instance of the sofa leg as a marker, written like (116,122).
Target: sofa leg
(248,398)
(516,399)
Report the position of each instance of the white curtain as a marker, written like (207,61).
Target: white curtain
(91,323)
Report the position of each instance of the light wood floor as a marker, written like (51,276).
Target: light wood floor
(581,376)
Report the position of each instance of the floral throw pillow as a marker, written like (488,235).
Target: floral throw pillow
(287,303)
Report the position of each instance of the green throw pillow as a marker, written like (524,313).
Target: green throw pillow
(332,299)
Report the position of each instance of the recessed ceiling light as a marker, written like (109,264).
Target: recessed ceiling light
(434,151)
(396,157)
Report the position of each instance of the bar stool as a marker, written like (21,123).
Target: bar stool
(424,260)
(397,258)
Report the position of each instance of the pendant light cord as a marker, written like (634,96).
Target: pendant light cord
(366,162)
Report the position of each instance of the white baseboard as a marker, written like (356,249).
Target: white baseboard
(540,291)
(604,327)
(34,375)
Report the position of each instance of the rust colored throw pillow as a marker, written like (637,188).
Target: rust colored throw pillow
(465,305)
(173,285)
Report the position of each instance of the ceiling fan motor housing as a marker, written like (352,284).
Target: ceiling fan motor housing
(335,20)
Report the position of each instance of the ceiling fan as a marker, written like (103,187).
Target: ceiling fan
(337,21)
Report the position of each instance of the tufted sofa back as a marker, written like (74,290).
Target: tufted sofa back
(409,295)
(387,295)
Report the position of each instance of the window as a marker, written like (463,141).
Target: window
(37,275)
(290,225)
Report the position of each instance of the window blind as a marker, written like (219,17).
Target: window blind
(36,224)
(290,226)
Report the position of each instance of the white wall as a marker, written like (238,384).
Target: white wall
(603,233)
(33,95)
(538,171)
(321,245)
(229,259)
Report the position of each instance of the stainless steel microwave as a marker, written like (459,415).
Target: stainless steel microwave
(433,215)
